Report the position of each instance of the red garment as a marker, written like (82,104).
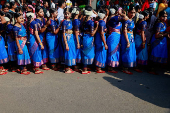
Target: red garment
(107,3)
(145,5)
(116,2)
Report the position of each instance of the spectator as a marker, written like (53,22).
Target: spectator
(5,8)
(145,5)
(52,4)
(61,5)
(44,7)
(138,10)
(168,11)
(152,4)
(162,6)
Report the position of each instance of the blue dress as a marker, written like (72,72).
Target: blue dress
(88,44)
(44,52)
(22,59)
(113,40)
(11,43)
(34,47)
(100,52)
(70,56)
(159,52)
(53,42)
(76,27)
(128,55)
(3,52)
(142,54)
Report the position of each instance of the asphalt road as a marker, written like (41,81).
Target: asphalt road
(56,92)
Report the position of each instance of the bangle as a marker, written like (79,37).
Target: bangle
(45,27)
(143,43)
(41,44)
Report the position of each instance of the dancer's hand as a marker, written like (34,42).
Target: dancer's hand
(67,48)
(78,46)
(42,46)
(143,45)
(128,45)
(106,47)
(20,51)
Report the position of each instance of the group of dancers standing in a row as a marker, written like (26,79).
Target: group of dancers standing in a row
(79,39)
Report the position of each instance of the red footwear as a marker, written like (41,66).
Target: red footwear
(88,72)
(3,73)
(25,73)
(113,71)
(127,72)
(138,70)
(68,71)
(4,70)
(153,73)
(46,68)
(38,72)
(100,71)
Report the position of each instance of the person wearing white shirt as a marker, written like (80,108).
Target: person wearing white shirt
(61,5)
(152,4)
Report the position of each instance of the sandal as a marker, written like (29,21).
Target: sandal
(87,72)
(100,71)
(153,73)
(3,73)
(138,70)
(54,68)
(44,67)
(113,71)
(25,72)
(67,71)
(37,71)
(127,72)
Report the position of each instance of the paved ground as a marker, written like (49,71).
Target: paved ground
(56,92)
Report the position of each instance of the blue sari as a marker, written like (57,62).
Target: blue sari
(113,41)
(69,56)
(128,55)
(11,43)
(34,47)
(142,54)
(22,59)
(53,42)
(3,52)
(100,52)
(159,52)
(88,44)
(76,27)
(44,52)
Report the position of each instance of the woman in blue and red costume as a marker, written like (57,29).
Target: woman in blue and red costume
(20,35)
(100,43)
(159,52)
(77,35)
(35,44)
(113,40)
(42,25)
(68,42)
(88,52)
(53,39)
(128,50)
(3,52)
(11,42)
(140,41)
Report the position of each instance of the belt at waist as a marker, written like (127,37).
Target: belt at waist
(22,38)
(131,32)
(69,31)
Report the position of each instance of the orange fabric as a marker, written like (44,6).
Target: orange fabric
(161,7)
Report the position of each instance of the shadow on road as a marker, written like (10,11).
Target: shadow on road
(154,89)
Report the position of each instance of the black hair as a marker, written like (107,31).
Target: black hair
(37,9)
(11,4)
(2,13)
(29,2)
(137,8)
(145,13)
(52,10)
(162,13)
(18,9)
(44,2)
(131,8)
(31,8)
(60,3)
(67,9)
(28,26)
(16,15)
(116,7)
(101,11)
(168,4)
(9,15)
(73,14)
(5,6)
